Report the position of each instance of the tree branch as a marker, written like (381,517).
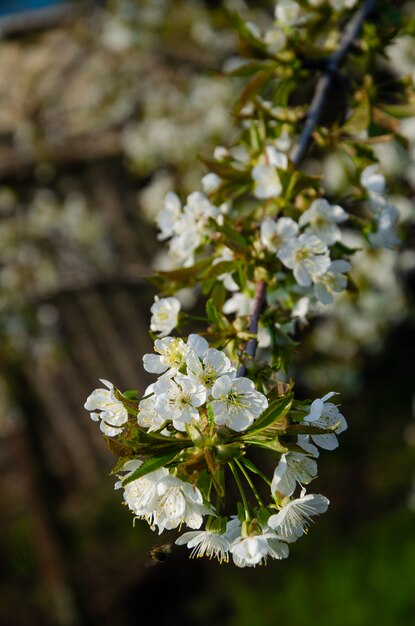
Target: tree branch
(352,30)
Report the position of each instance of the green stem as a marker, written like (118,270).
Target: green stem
(250,483)
(256,471)
(218,497)
(197,318)
(241,490)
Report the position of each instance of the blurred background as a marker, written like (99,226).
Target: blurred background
(103,107)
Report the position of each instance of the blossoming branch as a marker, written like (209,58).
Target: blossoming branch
(265,245)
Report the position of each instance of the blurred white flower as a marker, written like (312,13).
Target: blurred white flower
(239,303)
(275,234)
(372,180)
(332,281)
(267,183)
(321,219)
(168,216)
(288,12)
(307,256)
(387,221)
(211,182)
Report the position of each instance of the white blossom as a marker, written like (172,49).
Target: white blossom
(275,40)
(326,415)
(165,315)
(239,303)
(171,356)
(152,410)
(211,182)
(386,236)
(206,543)
(294,518)
(332,281)
(321,219)
(254,549)
(180,399)
(207,370)
(288,12)
(168,216)
(300,310)
(275,234)
(172,352)
(267,182)
(307,256)
(112,411)
(372,180)
(293,468)
(236,402)
(340,5)
(178,503)
(141,495)
(276,158)
(226,254)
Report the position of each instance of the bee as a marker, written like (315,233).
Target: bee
(159,553)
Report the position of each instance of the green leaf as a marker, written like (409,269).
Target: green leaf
(118,448)
(223,267)
(224,169)
(215,316)
(252,67)
(234,240)
(247,34)
(251,89)
(130,405)
(399,110)
(309,429)
(150,465)
(131,394)
(271,444)
(275,411)
(359,120)
(227,452)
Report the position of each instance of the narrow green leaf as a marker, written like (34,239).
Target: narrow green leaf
(150,465)
(275,411)
(359,120)
(130,405)
(273,445)
(309,429)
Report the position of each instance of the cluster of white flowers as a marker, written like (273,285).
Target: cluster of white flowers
(253,546)
(166,501)
(188,227)
(386,215)
(162,499)
(307,253)
(195,376)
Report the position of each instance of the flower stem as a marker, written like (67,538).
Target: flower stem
(241,490)
(249,481)
(253,468)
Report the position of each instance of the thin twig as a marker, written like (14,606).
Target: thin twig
(323,85)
